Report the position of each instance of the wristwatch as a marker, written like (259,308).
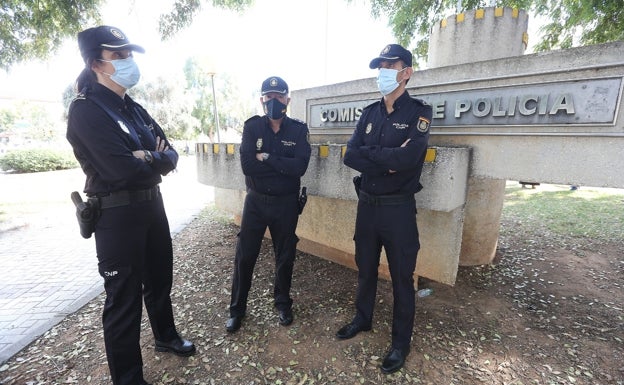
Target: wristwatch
(148,156)
(265,156)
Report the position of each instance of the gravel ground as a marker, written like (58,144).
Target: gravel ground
(549,311)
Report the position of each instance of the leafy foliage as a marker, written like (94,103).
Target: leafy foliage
(183,11)
(199,84)
(37,160)
(573,22)
(169,105)
(32,29)
(29,121)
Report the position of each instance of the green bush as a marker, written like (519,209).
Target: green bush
(37,160)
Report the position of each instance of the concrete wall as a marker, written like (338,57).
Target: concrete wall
(326,226)
(477,35)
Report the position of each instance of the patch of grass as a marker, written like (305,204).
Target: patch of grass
(216,214)
(587,212)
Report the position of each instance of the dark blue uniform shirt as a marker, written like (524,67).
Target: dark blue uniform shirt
(289,154)
(104,147)
(375,146)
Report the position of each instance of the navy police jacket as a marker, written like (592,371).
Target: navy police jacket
(375,148)
(289,154)
(103,144)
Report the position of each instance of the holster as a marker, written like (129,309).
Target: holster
(357,182)
(87,213)
(303,199)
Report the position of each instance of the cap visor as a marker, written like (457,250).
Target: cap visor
(375,62)
(132,47)
(283,92)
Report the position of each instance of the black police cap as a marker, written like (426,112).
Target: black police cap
(92,40)
(274,84)
(392,52)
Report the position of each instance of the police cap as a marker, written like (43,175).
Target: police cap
(392,52)
(92,40)
(274,84)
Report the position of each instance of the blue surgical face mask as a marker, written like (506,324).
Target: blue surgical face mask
(274,109)
(386,80)
(127,72)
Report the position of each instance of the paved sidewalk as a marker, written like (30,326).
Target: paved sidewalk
(47,270)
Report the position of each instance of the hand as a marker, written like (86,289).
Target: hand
(161,145)
(140,154)
(403,145)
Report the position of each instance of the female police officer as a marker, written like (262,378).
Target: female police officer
(123,153)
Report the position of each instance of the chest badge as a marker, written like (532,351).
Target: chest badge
(369,128)
(123,127)
(259,144)
(423,124)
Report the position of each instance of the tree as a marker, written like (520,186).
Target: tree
(233,108)
(184,10)
(198,84)
(33,29)
(569,23)
(167,103)
(30,121)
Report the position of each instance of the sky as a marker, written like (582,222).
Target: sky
(306,42)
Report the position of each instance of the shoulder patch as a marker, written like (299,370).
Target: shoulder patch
(420,101)
(423,124)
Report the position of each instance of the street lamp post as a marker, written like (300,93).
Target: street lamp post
(214,100)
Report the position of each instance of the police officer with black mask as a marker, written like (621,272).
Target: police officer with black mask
(124,153)
(274,153)
(388,148)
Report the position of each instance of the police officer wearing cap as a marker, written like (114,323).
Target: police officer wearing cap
(388,148)
(274,153)
(124,153)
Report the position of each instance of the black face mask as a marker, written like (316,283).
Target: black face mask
(274,109)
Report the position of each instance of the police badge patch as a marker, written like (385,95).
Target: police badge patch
(123,127)
(423,124)
(369,128)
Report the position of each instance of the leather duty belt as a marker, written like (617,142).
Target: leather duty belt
(384,200)
(269,199)
(125,197)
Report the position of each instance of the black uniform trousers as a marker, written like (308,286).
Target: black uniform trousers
(135,258)
(392,226)
(280,214)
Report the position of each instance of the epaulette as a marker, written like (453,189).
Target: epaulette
(298,121)
(420,101)
(79,96)
(373,104)
(255,117)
